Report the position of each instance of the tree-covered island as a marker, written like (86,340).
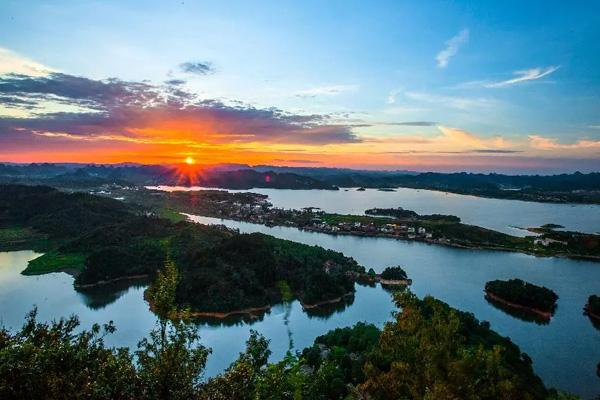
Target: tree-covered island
(219,271)
(521,295)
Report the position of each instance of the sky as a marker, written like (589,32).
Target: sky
(506,86)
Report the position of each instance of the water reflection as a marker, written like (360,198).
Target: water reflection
(458,277)
(327,310)
(98,297)
(520,314)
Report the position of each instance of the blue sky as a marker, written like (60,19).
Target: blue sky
(509,70)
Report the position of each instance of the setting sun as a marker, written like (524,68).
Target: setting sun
(189,160)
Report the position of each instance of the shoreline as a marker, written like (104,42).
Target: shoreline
(325,302)
(253,312)
(545,314)
(386,236)
(394,282)
(108,282)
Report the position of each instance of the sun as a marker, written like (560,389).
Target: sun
(189,160)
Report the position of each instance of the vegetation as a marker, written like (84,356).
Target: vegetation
(246,271)
(394,274)
(523,294)
(409,215)
(218,270)
(429,351)
(19,238)
(54,262)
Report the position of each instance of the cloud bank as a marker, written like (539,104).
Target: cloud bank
(138,111)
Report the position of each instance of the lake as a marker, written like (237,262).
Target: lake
(565,351)
(501,215)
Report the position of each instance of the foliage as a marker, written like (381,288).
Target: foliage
(142,258)
(161,294)
(524,294)
(50,361)
(243,271)
(432,351)
(239,381)
(171,364)
(394,273)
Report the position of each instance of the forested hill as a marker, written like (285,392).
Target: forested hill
(83,176)
(577,187)
(219,270)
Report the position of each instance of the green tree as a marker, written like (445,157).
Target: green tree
(51,361)
(432,351)
(238,382)
(171,364)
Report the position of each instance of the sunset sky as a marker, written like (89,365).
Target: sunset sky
(420,85)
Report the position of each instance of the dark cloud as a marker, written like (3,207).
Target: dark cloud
(132,109)
(497,151)
(297,161)
(175,82)
(413,123)
(195,67)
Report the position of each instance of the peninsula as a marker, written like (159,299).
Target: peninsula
(395,223)
(102,240)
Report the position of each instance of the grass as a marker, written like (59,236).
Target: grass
(54,262)
(171,215)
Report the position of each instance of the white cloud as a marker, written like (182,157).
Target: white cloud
(452,46)
(531,74)
(13,63)
(332,90)
(391,99)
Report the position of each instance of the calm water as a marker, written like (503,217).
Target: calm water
(55,297)
(565,351)
(500,215)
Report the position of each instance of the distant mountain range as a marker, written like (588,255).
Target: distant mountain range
(576,187)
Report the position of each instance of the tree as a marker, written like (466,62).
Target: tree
(238,382)
(171,364)
(51,361)
(432,351)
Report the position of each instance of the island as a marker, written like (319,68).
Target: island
(592,307)
(523,296)
(218,271)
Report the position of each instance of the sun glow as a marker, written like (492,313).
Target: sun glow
(189,161)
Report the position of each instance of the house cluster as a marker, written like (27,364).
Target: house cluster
(261,212)
(396,230)
(545,241)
